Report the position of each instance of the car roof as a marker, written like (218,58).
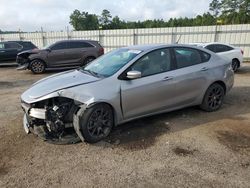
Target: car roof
(72,40)
(204,44)
(17,41)
(148,47)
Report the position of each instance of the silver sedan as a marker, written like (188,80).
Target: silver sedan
(123,85)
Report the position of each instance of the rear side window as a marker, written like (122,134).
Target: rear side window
(59,46)
(186,57)
(1,46)
(223,48)
(28,45)
(211,48)
(217,48)
(205,56)
(79,45)
(12,45)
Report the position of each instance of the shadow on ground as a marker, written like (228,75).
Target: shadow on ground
(143,133)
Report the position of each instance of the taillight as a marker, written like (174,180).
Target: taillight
(242,52)
(101,51)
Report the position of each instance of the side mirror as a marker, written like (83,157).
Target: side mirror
(133,74)
(48,49)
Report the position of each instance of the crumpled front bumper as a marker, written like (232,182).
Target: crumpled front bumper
(23,67)
(23,63)
(37,113)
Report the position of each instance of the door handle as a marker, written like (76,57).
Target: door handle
(204,69)
(167,78)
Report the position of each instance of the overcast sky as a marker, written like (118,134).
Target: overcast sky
(31,15)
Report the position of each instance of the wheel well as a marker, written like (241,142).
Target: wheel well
(222,84)
(111,107)
(90,57)
(238,62)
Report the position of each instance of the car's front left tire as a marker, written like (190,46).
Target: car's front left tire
(37,66)
(96,122)
(213,98)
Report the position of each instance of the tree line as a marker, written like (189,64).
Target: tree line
(220,12)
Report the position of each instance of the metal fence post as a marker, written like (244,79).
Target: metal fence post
(42,36)
(216,33)
(173,35)
(135,39)
(68,35)
(100,37)
(1,37)
(19,34)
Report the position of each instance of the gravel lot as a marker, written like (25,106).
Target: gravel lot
(185,148)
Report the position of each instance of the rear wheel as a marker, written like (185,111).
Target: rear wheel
(213,98)
(235,65)
(37,66)
(96,123)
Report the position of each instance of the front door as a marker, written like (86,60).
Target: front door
(155,90)
(57,55)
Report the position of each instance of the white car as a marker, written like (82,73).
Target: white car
(226,51)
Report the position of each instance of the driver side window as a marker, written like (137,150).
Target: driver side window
(59,46)
(155,62)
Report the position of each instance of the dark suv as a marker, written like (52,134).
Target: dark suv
(66,53)
(10,49)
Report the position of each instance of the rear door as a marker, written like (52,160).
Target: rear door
(155,90)
(77,51)
(10,50)
(191,75)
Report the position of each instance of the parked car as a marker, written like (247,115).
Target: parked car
(66,53)
(227,51)
(10,49)
(123,85)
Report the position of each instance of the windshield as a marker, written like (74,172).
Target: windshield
(46,46)
(110,63)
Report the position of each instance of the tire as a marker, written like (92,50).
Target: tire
(88,60)
(213,98)
(37,66)
(92,124)
(235,65)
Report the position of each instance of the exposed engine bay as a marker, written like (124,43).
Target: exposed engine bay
(52,120)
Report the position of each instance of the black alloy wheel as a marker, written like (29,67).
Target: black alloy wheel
(213,98)
(97,123)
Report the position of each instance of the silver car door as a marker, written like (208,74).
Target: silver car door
(152,92)
(192,73)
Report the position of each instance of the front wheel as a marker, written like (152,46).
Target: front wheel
(213,98)
(96,123)
(37,66)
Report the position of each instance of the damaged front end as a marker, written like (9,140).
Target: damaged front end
(52,119)
(23,62)
(23,58)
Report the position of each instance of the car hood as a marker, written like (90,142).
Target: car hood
(57,82)
(33,51)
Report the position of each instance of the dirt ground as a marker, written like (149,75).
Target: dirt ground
(185,148)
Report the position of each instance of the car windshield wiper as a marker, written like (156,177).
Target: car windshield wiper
(91,72)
